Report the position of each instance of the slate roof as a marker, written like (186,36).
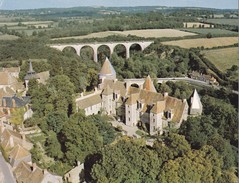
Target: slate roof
(31,74)
(19,102)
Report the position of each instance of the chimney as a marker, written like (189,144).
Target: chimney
(78,163)
(44,171)
(165,94)
(23,136)
(34,166)
(81,94)
(4,103)
(13,103)
(11,141)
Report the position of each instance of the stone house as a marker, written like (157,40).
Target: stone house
(26,173)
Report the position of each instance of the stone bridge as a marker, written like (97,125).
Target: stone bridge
(110,45)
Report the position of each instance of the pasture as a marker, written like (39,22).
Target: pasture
(223,58)
(147,33)
(205,42)
(224,21)
(212,31)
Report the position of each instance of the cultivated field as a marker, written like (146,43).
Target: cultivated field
(224,21)
(206,43)
(224,58)
(212,31)
(147,33)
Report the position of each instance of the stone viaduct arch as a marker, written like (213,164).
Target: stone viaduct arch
(95,46)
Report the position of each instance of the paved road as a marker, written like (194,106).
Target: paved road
(6,171)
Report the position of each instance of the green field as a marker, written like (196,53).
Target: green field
(212,31)
(223,21)
(224,58)
(7,37)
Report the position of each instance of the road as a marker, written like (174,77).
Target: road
(6,171)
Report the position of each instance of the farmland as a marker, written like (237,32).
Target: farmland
(223,21)
(212,31)
(206,43)
(7,37)
(224,58)
(147,33)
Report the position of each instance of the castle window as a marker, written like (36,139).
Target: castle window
(139,105)
(129,119)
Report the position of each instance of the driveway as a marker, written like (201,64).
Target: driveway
(130,131)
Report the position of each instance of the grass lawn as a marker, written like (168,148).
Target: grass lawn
(212,31)
(224,58)
(37,138)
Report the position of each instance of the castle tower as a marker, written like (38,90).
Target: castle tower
(149,85)
(107,71)
(195,105)
(31,74)
(107,100)
(155,121)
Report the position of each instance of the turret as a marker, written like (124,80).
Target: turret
(107,71)
(195,105)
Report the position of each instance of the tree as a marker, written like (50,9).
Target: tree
(173,146)
(53,147)
(81,138)
(17,116)
(61,90)
(106,130)
(56,121)
(198,130)
(209,35)
(126,160)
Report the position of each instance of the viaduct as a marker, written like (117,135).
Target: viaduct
(141,81)
(110,45)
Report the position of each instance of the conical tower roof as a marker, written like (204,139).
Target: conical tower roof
(30,68)
(195,100)
(148,85)
(31,73)
(107,68)
(107,90)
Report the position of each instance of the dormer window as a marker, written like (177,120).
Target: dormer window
(168,114)
(139,105)
(115,96)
